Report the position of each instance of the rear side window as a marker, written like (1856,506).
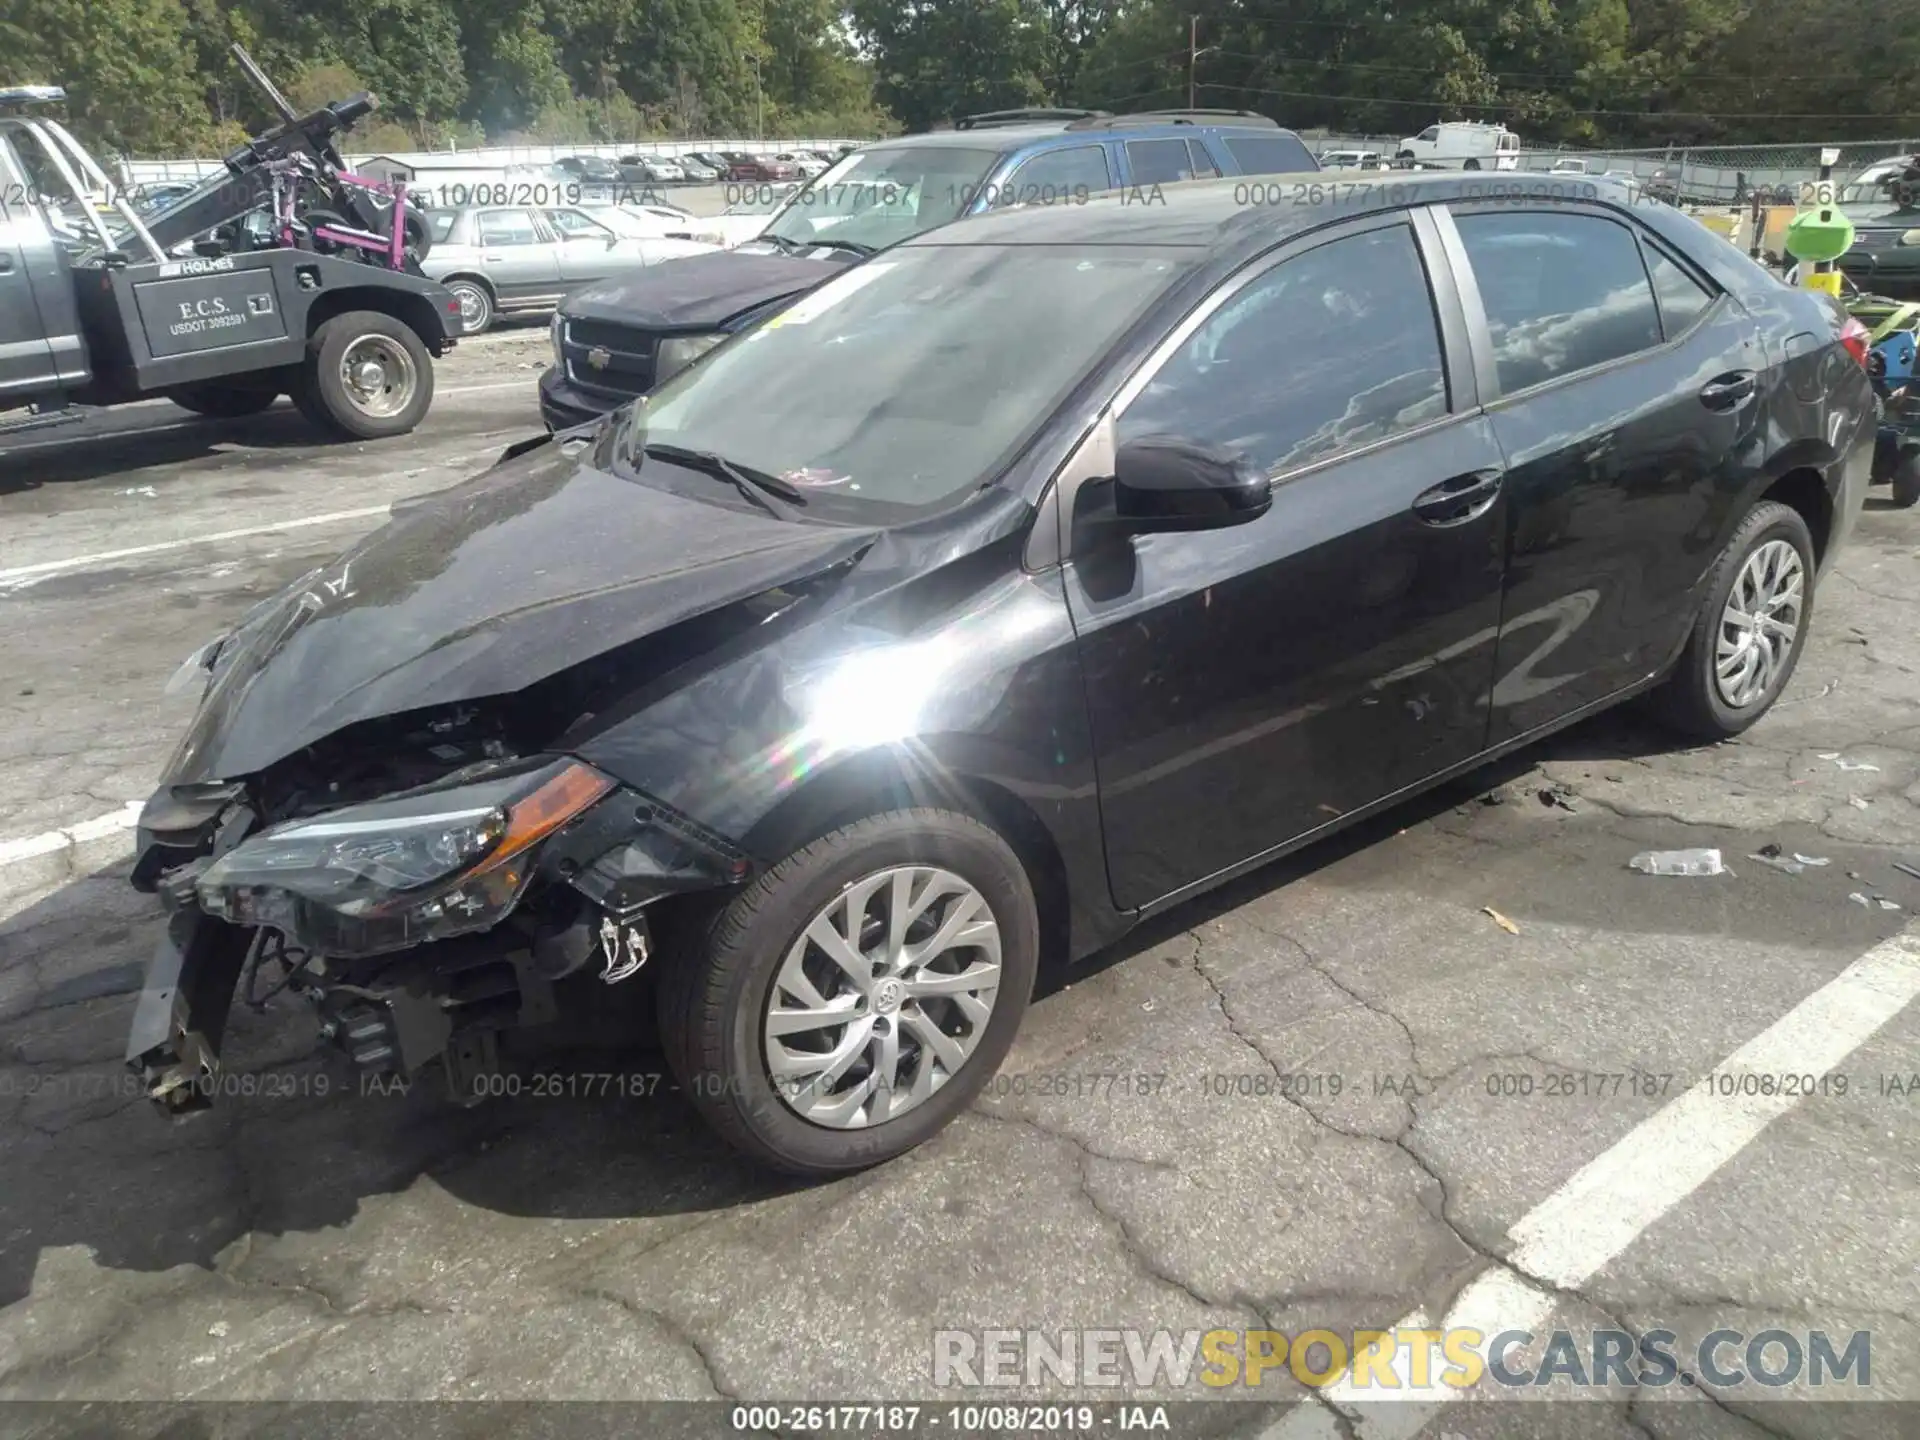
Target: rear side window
(1269,155)
(1201,163)
(1683,299)
(441,224)
(1071,174)
(1159,162)
(1562,293)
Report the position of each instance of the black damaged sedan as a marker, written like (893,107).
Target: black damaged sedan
(1014,585)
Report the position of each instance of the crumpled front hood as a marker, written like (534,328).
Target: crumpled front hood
(534,566)
(697,290)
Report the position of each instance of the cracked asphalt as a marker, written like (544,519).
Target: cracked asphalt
(1320,1099)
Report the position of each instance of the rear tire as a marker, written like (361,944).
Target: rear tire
(223,401)
(1769,558)
(367,376)
(477,308)
(721,998)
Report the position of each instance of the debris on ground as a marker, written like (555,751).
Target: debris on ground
(1867,902)
(1678,862)
(1850,766)
(1856,802)
(1794,864)
(1557,797)
(1906,870)
(1769,851)
(1494,797)
(1502,921)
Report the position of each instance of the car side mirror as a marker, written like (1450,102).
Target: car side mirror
(1165,482)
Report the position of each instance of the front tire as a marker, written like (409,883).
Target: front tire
(1471,165)
(367,376)
(847,1005)
(1750,631)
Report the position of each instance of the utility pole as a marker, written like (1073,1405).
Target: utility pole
(1194,52)
(1193,59)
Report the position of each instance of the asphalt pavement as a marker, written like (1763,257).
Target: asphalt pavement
(1460,1067)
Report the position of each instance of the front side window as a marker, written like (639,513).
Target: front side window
(1430,134)
(573,225)
(1562,292)
(1328,351)
(910,378)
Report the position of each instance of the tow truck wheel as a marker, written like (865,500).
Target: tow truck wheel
(223,402)
(367,376)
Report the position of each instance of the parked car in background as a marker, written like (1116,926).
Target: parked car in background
(1663,185)
(1352,160)
(1885,258)
(743,167)
(1462,145)
(1120,550)
(875,197)
(506,259)
(596,168)
(698,171)
(651,169)
(1568,165)
(713,160)
(805,161)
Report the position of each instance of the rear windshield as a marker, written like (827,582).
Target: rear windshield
(1269,154)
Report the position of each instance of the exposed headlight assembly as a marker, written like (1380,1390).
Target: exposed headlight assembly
(556,332)
(1910,237)
(367,879)
(679,351)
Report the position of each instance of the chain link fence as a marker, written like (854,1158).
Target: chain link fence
(1703,175)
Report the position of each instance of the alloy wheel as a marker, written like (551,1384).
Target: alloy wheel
(1759,624)
(883,998)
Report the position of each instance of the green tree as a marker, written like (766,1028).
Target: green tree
(127,65)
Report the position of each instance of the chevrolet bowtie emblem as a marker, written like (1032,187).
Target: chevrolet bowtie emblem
(599,357)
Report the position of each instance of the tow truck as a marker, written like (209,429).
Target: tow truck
(211,301)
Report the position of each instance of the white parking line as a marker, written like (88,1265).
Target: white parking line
(1610,1202)
(49,567)
(12,852)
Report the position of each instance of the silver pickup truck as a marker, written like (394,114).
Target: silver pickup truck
(102,305)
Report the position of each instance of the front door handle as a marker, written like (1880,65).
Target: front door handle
(1463,498)
(1729,391)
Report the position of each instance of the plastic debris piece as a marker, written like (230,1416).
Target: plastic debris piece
(1885,904)
(1814,860)
(1856,802)
(1860,900)
(1829,754)
(1857,765)
(1789,867)
(1906,870)
(1502,921)
(1678,862)
(1557,797)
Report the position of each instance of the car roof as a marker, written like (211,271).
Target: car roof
(1006,138)
(1241,213)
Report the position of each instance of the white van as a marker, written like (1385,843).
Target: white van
(1462,145)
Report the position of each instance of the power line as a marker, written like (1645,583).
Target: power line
(1329,64)
(1644,114)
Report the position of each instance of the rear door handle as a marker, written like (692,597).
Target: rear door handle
(1463,498)
(1729,391)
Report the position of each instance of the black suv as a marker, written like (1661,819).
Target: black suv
(615,341)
